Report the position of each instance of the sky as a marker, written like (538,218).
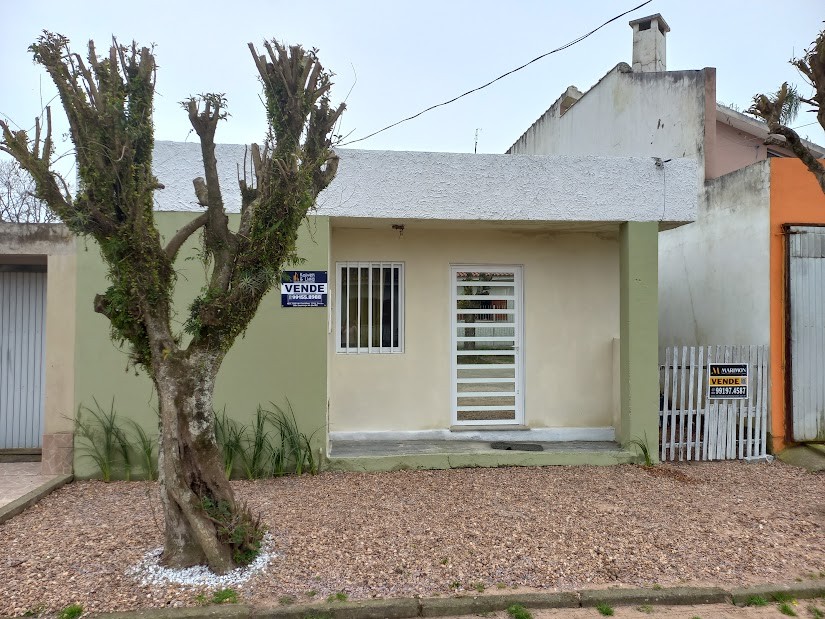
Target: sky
(392,59)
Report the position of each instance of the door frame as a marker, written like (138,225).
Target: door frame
(518,281)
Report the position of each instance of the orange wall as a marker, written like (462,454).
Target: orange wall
(795,199)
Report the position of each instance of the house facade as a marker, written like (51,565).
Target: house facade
(471,299)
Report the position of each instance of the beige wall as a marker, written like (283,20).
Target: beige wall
(571,292)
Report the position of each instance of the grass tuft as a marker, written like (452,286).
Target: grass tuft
(787,609)
(225,596)
(605,609)
(781,596)
(756,600)
(338,596)
(641,445)
(517,611)
(72,611)
(815,612)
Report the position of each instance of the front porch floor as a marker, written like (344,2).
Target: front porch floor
(383,455)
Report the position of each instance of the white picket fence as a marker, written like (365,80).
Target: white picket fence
(695,428)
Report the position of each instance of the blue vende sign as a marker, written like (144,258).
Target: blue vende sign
(304,289)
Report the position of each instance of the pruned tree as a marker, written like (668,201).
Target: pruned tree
(18,204)
(108,102)
(777,109)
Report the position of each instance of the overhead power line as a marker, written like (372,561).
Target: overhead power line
(526,64)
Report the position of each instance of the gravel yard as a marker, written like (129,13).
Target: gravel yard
(440,532)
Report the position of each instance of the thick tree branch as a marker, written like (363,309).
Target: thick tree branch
(798,148)
(36,160)
(177,241)
(779,108)
(219,240)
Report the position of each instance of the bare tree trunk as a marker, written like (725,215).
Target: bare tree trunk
(194,487)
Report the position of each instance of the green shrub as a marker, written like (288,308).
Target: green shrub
(146,446)
(272,446)
(293,453)
(239,528)
(103,441)
(256,449)
(229,436)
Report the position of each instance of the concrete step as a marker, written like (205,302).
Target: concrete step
(20,455)
(810,456)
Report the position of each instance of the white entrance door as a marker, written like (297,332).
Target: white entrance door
(486,345)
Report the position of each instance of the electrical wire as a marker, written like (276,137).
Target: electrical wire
(526,64)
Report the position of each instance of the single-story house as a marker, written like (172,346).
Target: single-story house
(471,299)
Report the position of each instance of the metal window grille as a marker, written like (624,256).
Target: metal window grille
(370,312)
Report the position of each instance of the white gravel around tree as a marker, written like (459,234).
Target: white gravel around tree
(436,533)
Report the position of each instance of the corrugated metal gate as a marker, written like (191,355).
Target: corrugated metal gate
(806,283)
(22,319)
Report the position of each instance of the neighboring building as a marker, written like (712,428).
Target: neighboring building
(37,316)
(472,298)
(727,278)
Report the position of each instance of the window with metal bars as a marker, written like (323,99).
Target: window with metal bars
(370,312)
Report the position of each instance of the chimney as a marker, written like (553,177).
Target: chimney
(649,37)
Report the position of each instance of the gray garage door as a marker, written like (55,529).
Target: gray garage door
(22,319)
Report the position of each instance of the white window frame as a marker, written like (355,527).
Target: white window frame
(369,349)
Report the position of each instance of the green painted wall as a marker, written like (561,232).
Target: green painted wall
(282,355)
(638,333)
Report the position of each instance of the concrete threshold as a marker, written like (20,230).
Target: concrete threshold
(403,608)
(370,455)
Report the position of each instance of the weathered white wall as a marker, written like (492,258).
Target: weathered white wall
(571,307)
(626,114)
(714,273)
(460,186)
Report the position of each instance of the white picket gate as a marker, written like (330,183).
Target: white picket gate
(696,428)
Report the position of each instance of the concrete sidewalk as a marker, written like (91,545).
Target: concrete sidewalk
(22,485)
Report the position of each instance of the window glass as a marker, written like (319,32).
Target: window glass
(371,307)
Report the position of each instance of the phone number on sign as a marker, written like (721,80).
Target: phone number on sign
(734,391)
